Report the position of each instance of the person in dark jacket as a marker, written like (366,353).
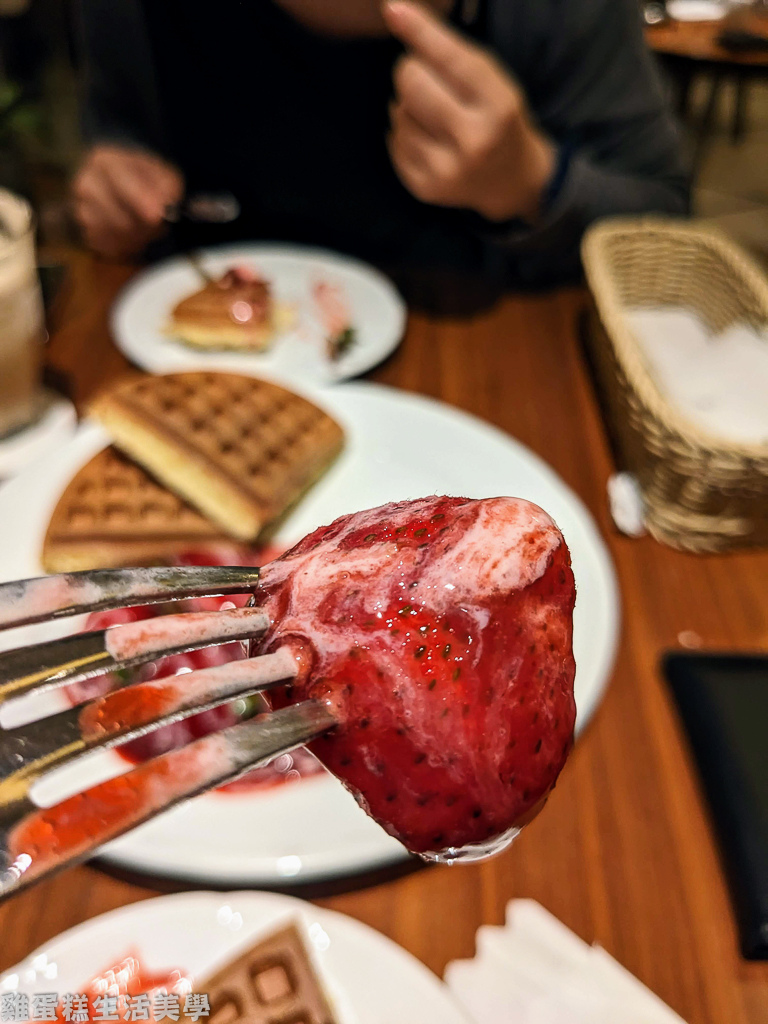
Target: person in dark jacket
(466,134)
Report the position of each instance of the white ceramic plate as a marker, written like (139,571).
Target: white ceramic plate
(368,978)
(378,314)
(398,446)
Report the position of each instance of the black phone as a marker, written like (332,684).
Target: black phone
(723,702)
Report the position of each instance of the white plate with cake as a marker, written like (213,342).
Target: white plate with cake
(311,829)
(287,313)
(256,957)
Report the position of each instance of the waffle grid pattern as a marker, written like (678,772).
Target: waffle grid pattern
(112,496)
(272,983)
(267,442)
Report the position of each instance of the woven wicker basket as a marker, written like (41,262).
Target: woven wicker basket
(702,493)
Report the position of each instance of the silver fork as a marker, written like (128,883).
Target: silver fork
(36,841)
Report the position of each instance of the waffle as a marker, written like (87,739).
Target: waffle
(272,983)
(235,312)
(240,450)
(113,514)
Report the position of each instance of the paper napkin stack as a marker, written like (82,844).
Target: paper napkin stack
(535,971)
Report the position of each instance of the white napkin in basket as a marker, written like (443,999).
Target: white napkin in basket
(717,381)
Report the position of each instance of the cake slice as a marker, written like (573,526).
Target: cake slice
(113,514)
(236,311)
(240,450)
(273,982)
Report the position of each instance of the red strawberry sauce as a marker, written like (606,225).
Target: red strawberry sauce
(130,977)
(132,706)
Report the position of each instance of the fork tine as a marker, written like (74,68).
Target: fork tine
(84,655)
(36,842)
(28,752)
(52,597)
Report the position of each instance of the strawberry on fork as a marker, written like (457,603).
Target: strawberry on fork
(439,633)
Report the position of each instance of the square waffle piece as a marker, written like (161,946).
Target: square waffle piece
(274,982)
(113,514)
(240,450)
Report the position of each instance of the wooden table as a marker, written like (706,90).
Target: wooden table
(697,40)
(624,853)
(689,47)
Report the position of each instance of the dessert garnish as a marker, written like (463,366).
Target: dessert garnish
(336,318)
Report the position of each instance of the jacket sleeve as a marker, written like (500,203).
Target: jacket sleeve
(593,87)
(119,100)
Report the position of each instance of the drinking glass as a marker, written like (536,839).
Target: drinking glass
(21,317)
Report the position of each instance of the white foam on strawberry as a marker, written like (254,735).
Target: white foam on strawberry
(503,545)
(507,548)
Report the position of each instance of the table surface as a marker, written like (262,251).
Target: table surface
(624,852)
(697,40)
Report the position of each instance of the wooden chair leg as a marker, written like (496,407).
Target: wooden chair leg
(684,85)
(739,125)
(707,119)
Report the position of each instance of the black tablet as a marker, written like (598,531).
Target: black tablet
(723,701)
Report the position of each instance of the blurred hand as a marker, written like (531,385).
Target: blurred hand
(120,199)
(461,133)
(350,19)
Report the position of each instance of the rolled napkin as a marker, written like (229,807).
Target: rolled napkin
(533,970)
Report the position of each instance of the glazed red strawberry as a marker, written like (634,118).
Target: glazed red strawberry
(440,633)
